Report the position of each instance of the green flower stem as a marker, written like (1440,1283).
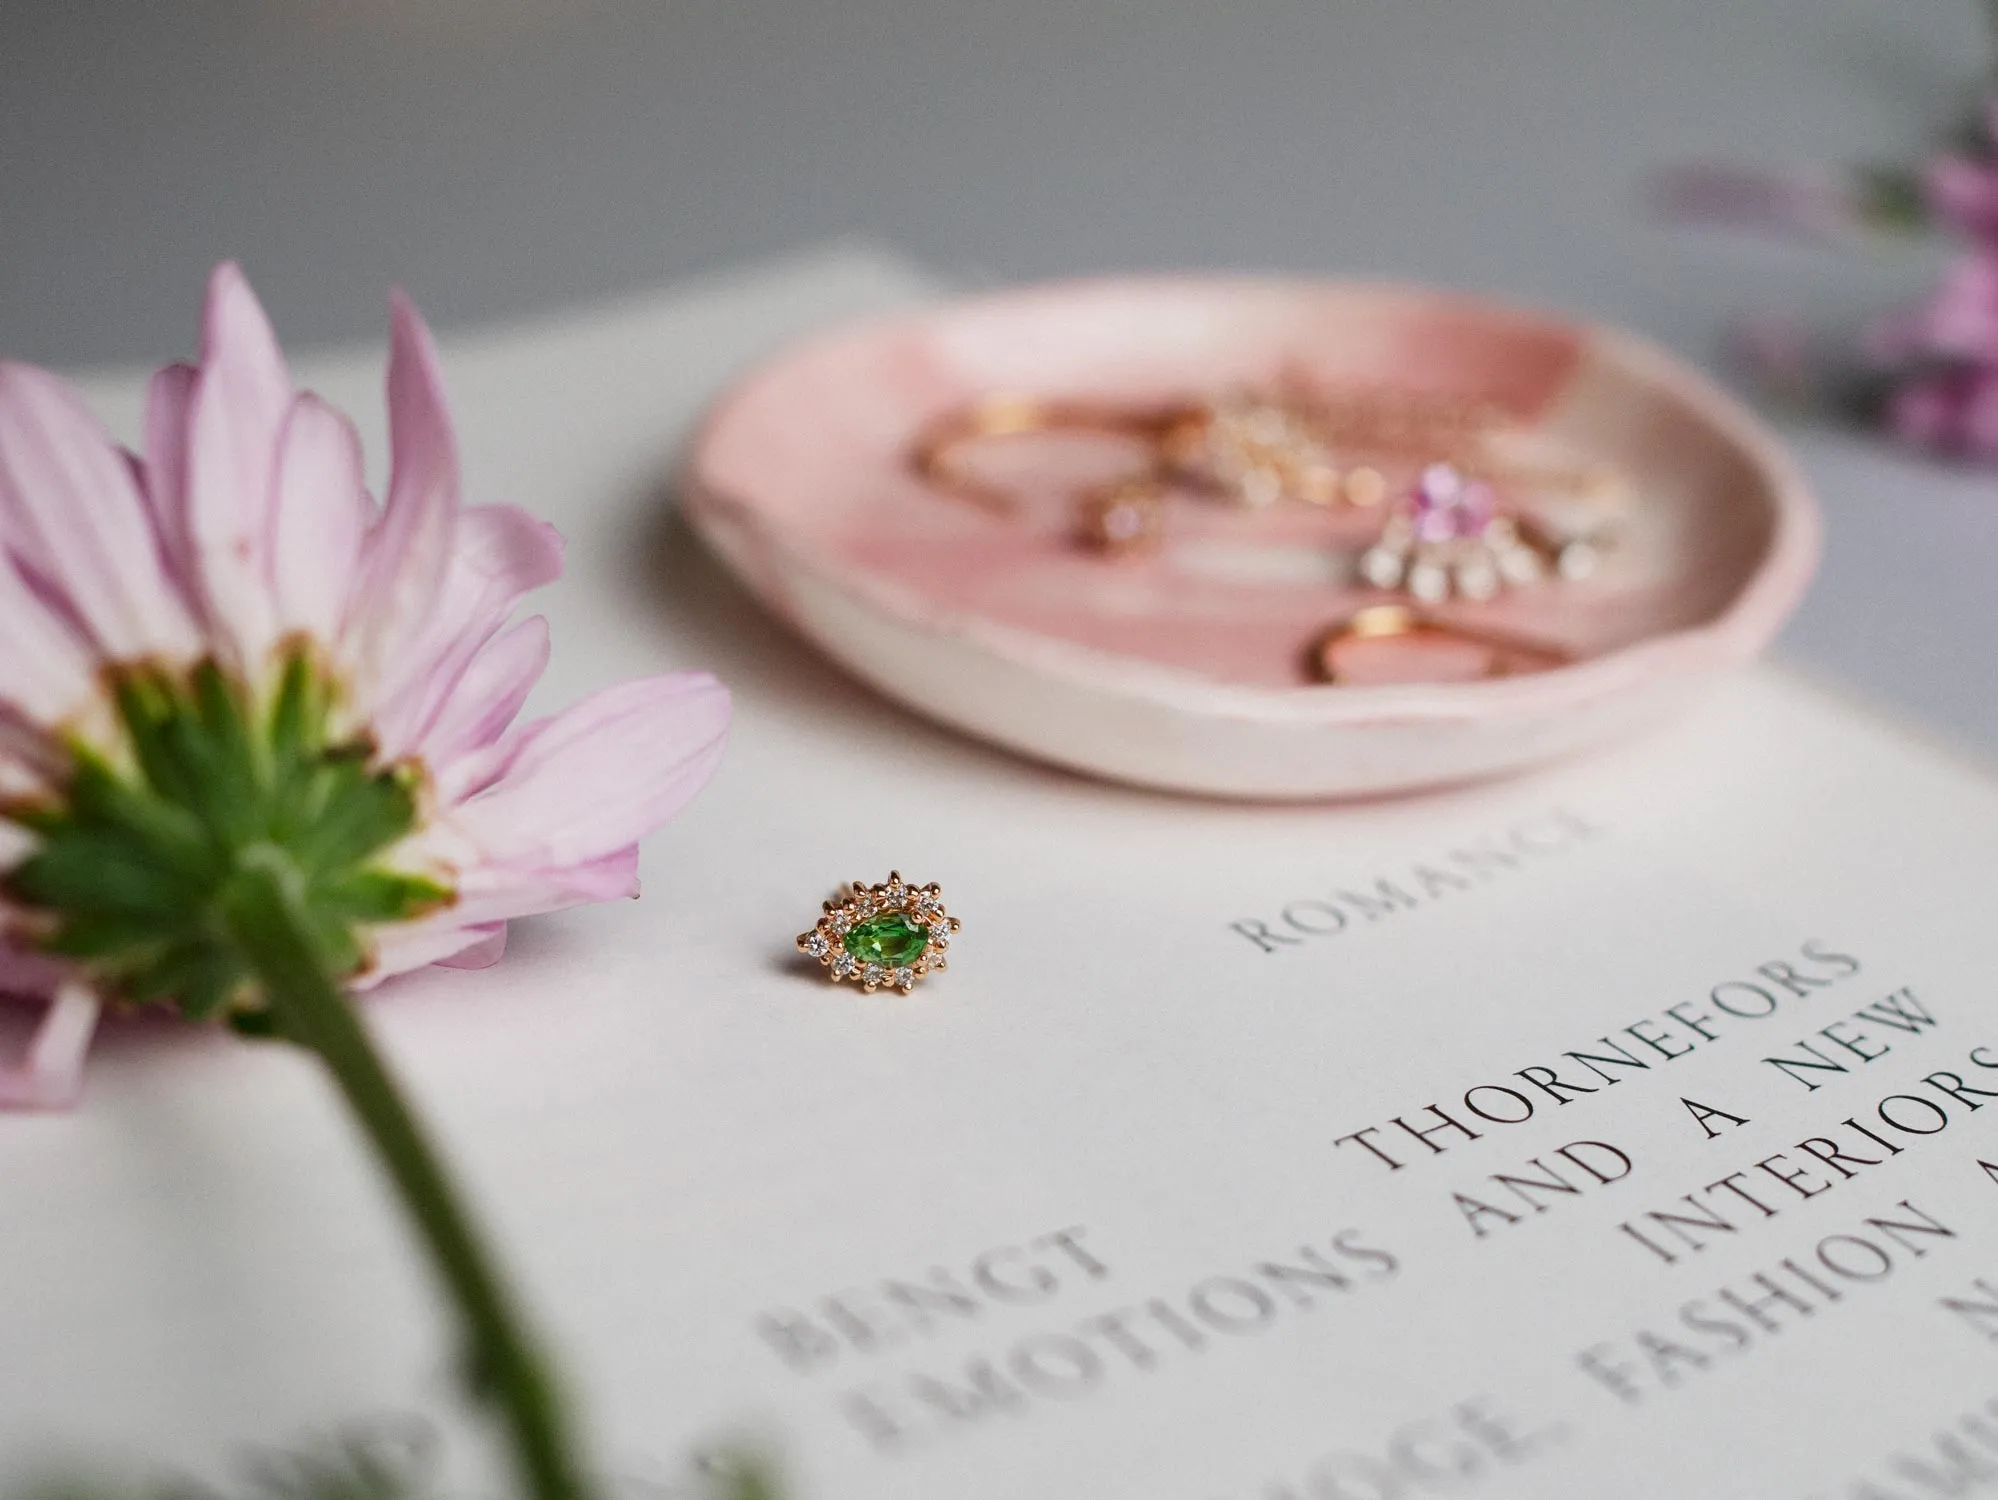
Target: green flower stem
(262,906)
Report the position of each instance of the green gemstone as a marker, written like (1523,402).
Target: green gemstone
(891,940)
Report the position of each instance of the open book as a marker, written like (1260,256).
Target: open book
(1624,1130)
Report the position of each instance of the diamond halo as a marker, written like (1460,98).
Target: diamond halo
(886,936)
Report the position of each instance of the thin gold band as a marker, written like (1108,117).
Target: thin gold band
(1379,622)
(934,455)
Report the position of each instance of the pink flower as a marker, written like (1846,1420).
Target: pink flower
(1957,321)
(245,537)
(1802,202)
(1952,410)
(1777,351)
(1962,191)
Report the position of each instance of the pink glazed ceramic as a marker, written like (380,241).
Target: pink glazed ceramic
(1181,669)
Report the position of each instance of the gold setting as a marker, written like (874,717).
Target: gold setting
(1511,655)
(1127,515)
(1520,510)
(939,452)
(859,903)
(1314,446)
(1254,453)
(1302,444)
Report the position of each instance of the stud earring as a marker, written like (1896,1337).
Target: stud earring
(892,934)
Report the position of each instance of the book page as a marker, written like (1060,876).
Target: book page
(1625,1129)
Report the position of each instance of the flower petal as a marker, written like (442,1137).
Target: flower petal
(1978,435)
(600,775)
(70,512)
(46,672)
(51,1075)
(407,552)
(416,945)
(169,400)
(238,411)
(488,696)
(483,954)
(492,897)
(498,893)
(320,512)
(1963,191)
(1804,202)
(1926,411)
(498,554)
(32,761)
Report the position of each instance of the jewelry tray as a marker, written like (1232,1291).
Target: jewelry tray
(1180,669)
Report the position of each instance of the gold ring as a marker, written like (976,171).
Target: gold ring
(1446,534)
(936,456)
(1511,655)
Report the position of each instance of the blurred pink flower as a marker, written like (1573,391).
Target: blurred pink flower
(247,527)
(1778,351)
(1940,352)
(1952,411)
(1929,368)
(1800,202)
(1962,190)
(1956,320)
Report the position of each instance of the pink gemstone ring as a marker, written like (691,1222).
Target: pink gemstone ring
(1449,535)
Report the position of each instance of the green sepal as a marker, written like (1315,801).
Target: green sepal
(374,896)
(134,851)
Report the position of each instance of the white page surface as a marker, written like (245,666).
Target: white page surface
(1075,1219)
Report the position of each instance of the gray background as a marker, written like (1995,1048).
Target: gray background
(500,157)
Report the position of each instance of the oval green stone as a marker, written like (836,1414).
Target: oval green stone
(891,940)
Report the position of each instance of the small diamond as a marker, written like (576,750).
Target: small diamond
(903,978)
(1429,583)
(1381,567)
(1519,565)
(1577,560)
(1264,453)
(1365,487)
(939,939)
(841,921)
(871,974)
(1123,522)
(1123,518)
(844,965)
(1477,577)
(1260,486)
(816,945)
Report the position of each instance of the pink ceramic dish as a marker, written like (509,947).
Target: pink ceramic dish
(1181,669)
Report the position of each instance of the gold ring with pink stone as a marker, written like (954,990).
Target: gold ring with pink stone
(1452,534)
